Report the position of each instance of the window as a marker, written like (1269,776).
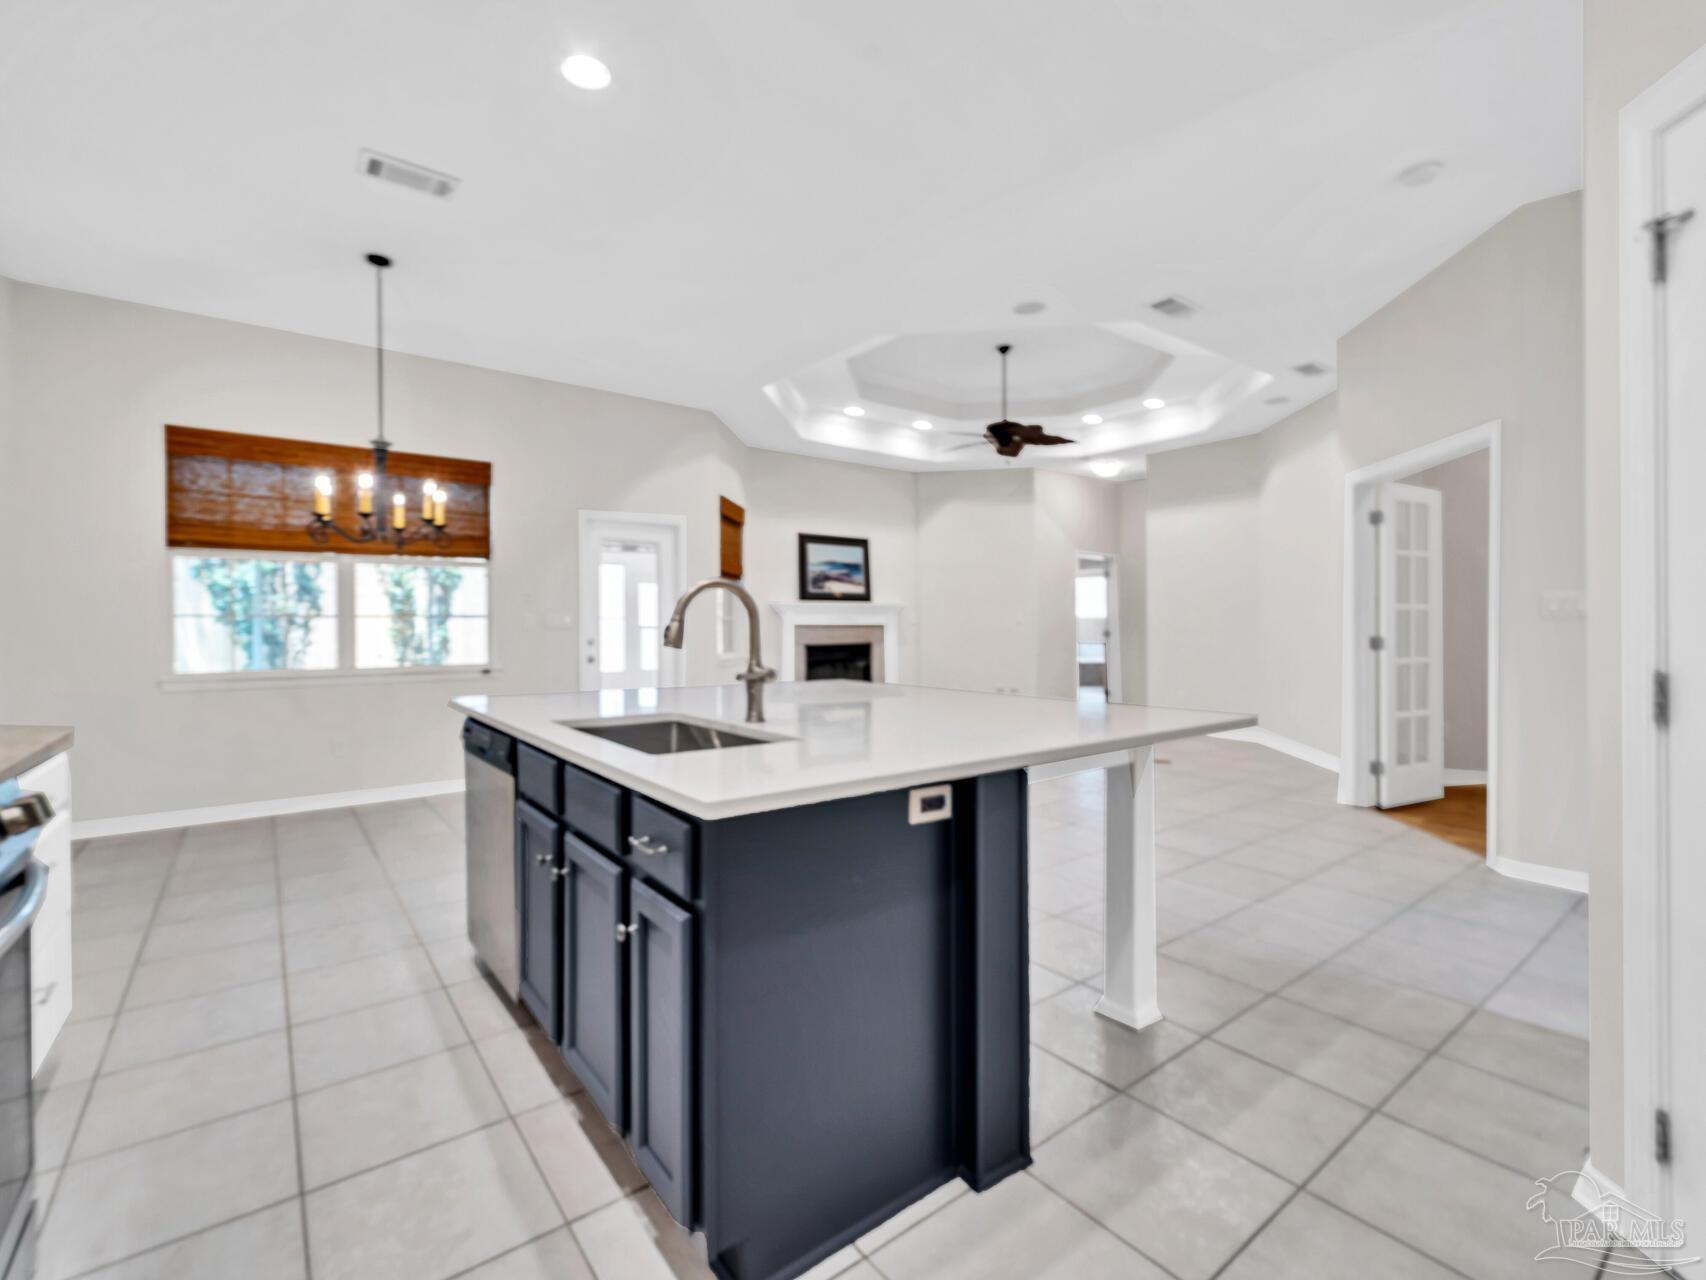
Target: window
(231,614)
(1092,592)
(234,614)
(430,614)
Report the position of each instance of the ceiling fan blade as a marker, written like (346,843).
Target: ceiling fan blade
(971,444)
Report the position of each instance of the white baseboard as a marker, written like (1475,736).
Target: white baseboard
(95,828)
(1289,746)
(1465,777)
(1608,1189)
(1539,873)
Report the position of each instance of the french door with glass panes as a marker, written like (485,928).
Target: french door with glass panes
(1412,698)
(628,621)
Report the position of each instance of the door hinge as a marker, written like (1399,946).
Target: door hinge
(1661,229)
(1661,1136)
(1661,699)
(1377,643)
(1377,768)
(1377,517)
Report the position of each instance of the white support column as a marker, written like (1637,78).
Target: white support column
(1129,985)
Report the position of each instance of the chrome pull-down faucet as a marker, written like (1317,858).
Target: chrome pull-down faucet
(756,674)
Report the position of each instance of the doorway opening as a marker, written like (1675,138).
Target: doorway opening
(1096,627)
(1421,638)
(630,577)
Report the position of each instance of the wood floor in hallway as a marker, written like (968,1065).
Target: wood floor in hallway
(1460,817)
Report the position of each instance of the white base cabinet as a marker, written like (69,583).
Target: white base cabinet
(50,936)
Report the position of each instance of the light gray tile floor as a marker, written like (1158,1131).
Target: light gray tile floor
(283,1063)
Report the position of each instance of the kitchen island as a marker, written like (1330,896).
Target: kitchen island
(788,960)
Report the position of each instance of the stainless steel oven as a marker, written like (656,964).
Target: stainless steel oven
(23,887)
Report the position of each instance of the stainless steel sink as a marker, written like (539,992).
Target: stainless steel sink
(666,737)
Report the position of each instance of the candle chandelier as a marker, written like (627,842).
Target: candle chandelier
(396,529)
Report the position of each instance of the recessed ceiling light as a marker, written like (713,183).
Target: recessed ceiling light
(854,411)
(1107,468)
(1420,174)
(1091,419)
(585,71)
(1029,308)
(922,424)
(1154,402)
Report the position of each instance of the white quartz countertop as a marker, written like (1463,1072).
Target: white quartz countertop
(834,738)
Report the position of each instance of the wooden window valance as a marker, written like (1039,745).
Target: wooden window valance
(256,493)
(731,522)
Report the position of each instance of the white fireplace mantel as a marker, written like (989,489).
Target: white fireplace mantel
(838,613)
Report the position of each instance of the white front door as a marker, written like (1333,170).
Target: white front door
(629,583)
(1412,699)
(1681,458)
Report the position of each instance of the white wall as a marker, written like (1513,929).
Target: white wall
(786,495)
(1246,537)
(980,563)
(1133,499)
(97,379)
(976,570)
(1302,518)
(1204,584)
(1462,486)
(1627,47)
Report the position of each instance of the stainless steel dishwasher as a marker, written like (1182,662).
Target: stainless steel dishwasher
(493,926)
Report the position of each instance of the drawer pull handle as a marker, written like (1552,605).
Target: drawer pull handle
(626,931)
(646,845)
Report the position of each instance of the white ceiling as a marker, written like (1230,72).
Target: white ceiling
(771,187)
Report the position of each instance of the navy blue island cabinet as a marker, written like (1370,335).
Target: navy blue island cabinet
(800,1020)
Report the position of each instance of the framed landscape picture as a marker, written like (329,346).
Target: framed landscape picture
(834,568)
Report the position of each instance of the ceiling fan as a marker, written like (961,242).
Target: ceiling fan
(1010,438)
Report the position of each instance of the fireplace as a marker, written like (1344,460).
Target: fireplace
(838,662)
(838,653)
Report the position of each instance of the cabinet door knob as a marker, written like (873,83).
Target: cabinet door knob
(646,845)
(626,931)
(557,873)
(543,859)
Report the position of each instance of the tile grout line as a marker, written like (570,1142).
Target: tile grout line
(290,1056)
(1370,1112)
(1118,1092)
(107,1041)
(1379,1109)
(509,1112)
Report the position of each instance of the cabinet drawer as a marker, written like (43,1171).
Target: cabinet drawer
(593,808)
(662,846)
(539,778)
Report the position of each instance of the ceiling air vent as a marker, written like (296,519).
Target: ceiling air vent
(416,177)
(1175,306)
(1310,369)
